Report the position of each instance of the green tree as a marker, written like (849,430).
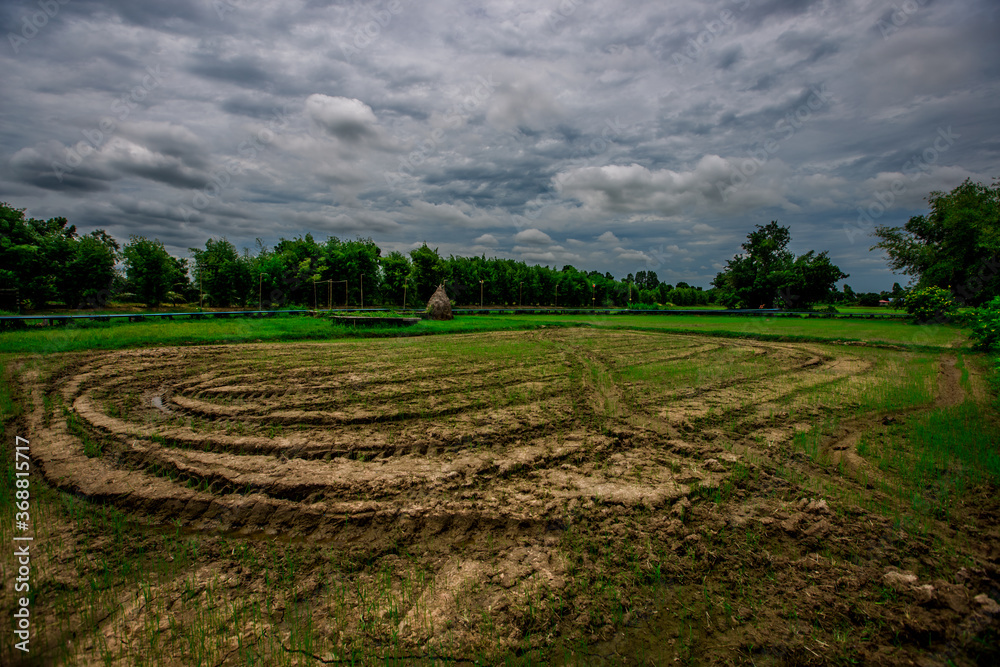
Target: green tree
(303,261)
(357,262)
(90,272)
(956,246)
(766,272)
(150,271)
(397,279)
(224,275)
(429,271)
(46,260)
(646,280)
(34,254)
(812,280)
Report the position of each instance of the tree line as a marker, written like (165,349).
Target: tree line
(48,261)
(955,247)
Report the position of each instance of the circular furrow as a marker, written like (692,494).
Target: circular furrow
(319,439)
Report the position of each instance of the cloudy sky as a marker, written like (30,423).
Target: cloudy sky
(608,135)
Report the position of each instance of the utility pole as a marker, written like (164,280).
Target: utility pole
(260,293)
(557,295)
(593,295)
(404,296)
(314,295)
(480,294)
(329,291)
(520,293)
(362,291)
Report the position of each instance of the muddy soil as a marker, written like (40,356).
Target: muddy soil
(572,495)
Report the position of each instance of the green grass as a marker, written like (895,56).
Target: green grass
(118,335)
(938,454)
(892,332)
(927,462)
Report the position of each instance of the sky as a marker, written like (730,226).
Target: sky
(612,136)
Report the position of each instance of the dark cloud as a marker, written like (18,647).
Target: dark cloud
(597,134)
(243,71)
(730,57)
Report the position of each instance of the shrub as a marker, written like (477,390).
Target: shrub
(930,304)
(985,325)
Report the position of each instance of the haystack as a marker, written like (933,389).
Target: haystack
(439,307)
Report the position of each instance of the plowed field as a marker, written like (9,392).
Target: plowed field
(561,495)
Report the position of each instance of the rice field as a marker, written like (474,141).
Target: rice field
(615,489)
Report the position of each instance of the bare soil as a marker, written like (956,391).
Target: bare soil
(573,495)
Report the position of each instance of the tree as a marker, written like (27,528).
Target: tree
(397,278)
(812,280)
(357,263)
(429,271)
(150,270)
(303,262)
(646,280)
(767,272)
(90,273)
(956,246)
(224,275)
(34,254)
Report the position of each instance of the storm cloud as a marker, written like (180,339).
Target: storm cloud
(644,136)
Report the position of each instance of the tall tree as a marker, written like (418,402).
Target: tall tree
(956,246)
(223,274)
(397,278)
(88,275)
(766,272)
(429,271)
(357,263)
(150,271)
(46,259)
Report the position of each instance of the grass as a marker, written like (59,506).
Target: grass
(889,332)
(926,462)
(119,335)
(177,585)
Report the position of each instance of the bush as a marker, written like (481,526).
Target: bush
(930,304)
(985,326)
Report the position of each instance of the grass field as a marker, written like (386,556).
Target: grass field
(518,489)
(119,335)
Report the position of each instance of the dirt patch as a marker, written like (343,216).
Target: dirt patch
(612,494)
